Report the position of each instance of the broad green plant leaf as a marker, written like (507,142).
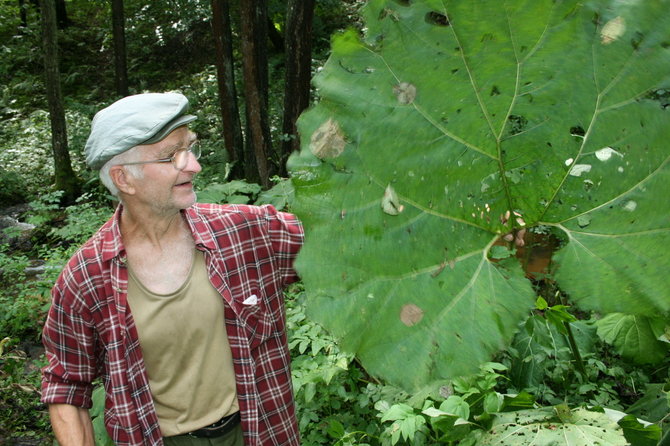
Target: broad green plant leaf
(541,427)
(634,337)
(639,433)
(453,127)
(654,405)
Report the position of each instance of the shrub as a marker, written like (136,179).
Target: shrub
(12,188)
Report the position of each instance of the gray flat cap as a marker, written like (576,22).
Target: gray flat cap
(134,120)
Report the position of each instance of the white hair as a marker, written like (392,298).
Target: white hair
(129,156)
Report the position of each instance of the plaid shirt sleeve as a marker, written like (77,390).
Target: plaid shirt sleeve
(68,338)
(287,235)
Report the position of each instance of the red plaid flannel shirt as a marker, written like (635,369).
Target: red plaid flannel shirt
(90,331)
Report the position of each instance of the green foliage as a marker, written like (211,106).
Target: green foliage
(232,192)
(22,65)
(241,192)
(654,405)
(23,303)
(12,188)
(542,363)
(638,338)
(453,127)
(281,195)
(97,413)
(21,413)
(25,150)
(334,401)
(472,412)
(82,220)
(44,208)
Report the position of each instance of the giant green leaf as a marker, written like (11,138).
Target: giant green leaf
(450,124)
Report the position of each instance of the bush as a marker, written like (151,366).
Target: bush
(12,188)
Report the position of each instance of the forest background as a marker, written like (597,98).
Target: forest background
(243,67)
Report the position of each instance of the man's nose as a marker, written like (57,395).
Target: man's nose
(193,165)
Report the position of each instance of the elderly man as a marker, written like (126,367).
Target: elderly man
(176,306)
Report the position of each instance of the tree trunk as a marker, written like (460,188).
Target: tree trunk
(298,49)
(232,129)
(65,178)
(61,15)
(275,36)
(119,33)
(253,15)
(23,14)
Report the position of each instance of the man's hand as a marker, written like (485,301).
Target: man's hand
(72,425)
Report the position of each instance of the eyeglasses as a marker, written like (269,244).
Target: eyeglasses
(179,159)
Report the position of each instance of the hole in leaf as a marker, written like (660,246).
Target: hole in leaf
(578,169)
(662,96)
(437,19)
(577,131)
(495,91)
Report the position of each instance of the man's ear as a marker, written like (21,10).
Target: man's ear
(122,179)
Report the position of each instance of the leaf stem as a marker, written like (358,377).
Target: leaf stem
(571,340)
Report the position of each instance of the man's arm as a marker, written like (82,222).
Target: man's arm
(72,425)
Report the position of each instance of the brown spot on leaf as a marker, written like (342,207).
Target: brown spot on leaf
(405,92)
(328,140)
(411,315)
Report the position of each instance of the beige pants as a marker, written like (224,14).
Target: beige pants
(232,438)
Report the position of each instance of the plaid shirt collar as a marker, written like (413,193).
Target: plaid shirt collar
(113,242)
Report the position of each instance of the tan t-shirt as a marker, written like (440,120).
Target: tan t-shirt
(186,351)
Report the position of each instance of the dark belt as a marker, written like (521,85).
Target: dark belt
(218,429)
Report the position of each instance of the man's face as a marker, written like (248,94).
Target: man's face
(163,189)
